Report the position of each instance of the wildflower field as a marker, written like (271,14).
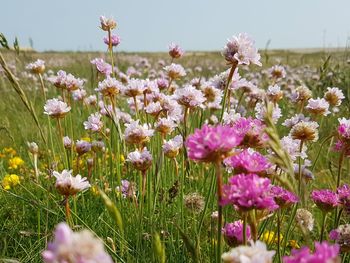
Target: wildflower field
(237,156)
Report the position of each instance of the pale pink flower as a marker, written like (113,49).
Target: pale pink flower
(67,184)
(94,122)
(189,97)
(175,71)
(36,67)
(56,108)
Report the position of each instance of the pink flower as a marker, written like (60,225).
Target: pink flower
(107,24)
(233,233)
(252,131)
(241,49)
(248,191)
(36,67)
(212,143)
(136,133)
(325,199)
(344,194)
(248,161)
(175,51)
(82,147)
(56,108)
(141,160)
(283,197)
(94,122)
(189,97)
(318,106)
(67,184)
(102,66)
(175,71)
(172,147)
(69,246)
(115,40)
(324,253)
(109,87)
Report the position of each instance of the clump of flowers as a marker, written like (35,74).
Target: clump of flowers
(252,132)
(240,49)
(175,71)
(233,233)
(341,236)
(325,199)
(256,252)
(212,143)
(324,252)
(141,160)
(15,162)
(56,108)
(248,161)
(283,197)
(10,180)
(69,246)
(249,191)
(67,184)
(37,67)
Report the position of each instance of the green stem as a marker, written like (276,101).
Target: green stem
(324,215)
(245,215)
(219,192)
(229,78)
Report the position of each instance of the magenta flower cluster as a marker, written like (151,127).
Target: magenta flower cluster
(249,191)
(233,233)
(211,143)
(325,199)
(283,197)
(248,161)
(323,253)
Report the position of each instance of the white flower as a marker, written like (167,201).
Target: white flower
(175,71)
(78,94)
(171,148)
(73,83)
(136,133)
(231,117)
(318,106)
(56,108)
(109,87)
(241,49)
(67,184)
(277,72)
(189,97)
(334,96)
(153,108)
(213,96)
(165,125)
(289,123)
(255,253)
(69,246)
(260,112)
(134,88)
(140,160)
(90,100)
(36,67)
(292,147)
(94,122)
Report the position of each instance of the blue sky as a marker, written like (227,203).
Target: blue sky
(150,25)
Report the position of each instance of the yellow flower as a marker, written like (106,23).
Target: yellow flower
(10,180)
(94,190)
(122,158)
(270,237)
(9,151)
(15,162)
(87,139)
(293,243)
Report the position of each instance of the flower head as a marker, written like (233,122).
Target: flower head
(334,96)
(341,236)
(175,71)
(115,40)
(194,202)
(189,97)
(94,122)
(67,184)
(10,180)
(69,246)
(325,199)
(252,131)
(15,162)
(141,160)
(56,108)
(324,253)
(318,106)
(82,147)
(172,147)
(109,87)
(240,49)
(305,131)
(255,253)
(102,66)
(212,143)
(233,233)
(304,219)
(175,51)
(107,24)
(248,161)
(283,197)
(249,191)
(37,67)
(136,133)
